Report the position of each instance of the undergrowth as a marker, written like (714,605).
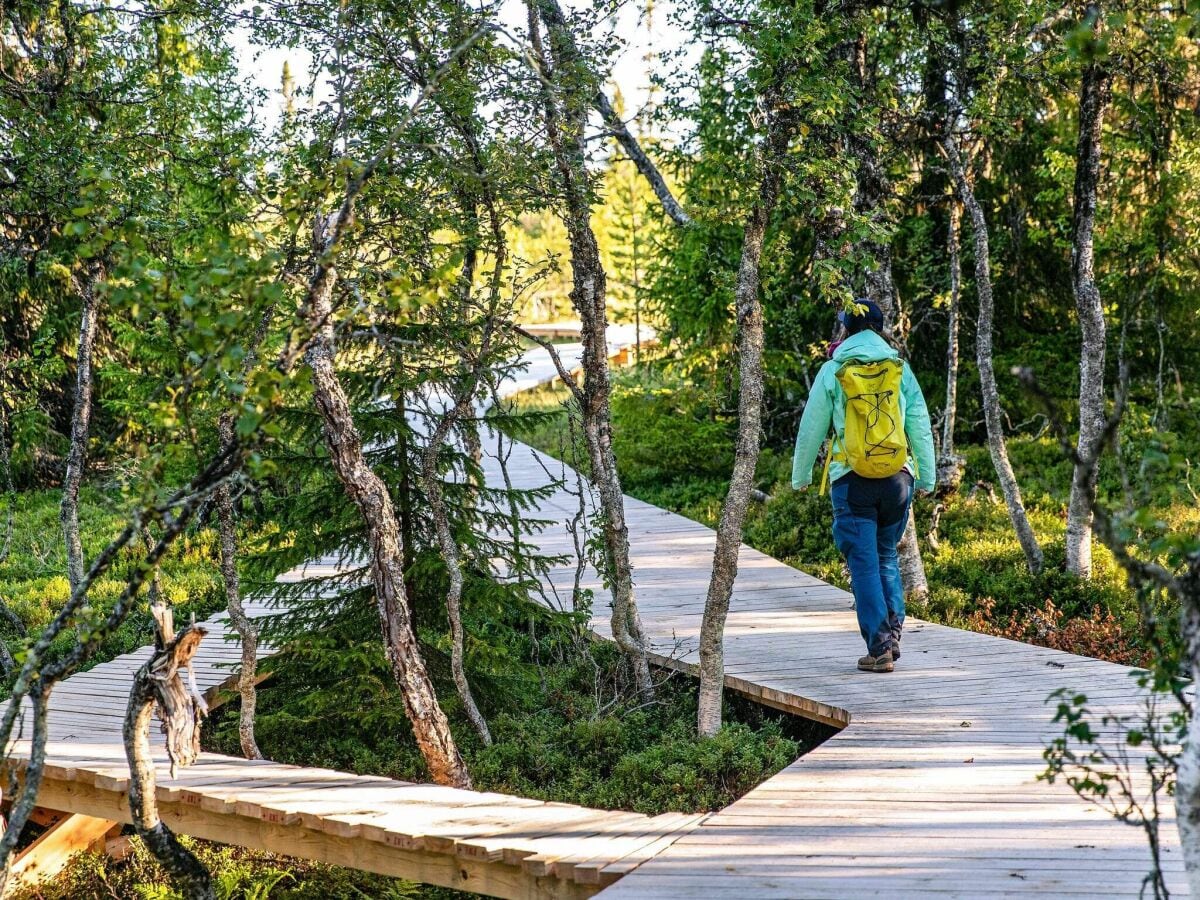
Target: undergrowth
(238,874)
(562,728)
(34,585)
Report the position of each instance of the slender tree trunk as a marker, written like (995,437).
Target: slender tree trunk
(7,662)
(950,465)
(597,429)
(871,191)
(872,186)
(227,531)
(1187,776)
(780,132)
(912,566)
(9,489)
(23,800)
(405,491)
(565,128)
(459,407)
(451,557)
(983,360)
(882,289)
(370,495)
(158,684)
(86,288)
(1093,98)
(247,630)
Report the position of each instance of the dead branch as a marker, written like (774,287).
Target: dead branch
(159,687)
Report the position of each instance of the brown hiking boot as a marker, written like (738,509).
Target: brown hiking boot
(881,663)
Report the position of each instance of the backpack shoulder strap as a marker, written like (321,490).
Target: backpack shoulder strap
(828,460)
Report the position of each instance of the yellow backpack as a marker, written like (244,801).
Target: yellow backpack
(875,445)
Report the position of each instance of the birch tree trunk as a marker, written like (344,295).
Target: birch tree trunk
(370,495)
(950,465)
(452,558)
(247,630)
(1093,98)
(7,662)
(912,566)
(780,131)
(881,287)
(227,533)
(459,407)
(565,128)
(85,287)
(871,191)
(1187,783)
(983,359)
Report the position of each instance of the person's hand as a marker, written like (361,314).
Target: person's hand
(803,488)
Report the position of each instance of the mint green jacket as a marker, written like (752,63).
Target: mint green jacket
(827,406)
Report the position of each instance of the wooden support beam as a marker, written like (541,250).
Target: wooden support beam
(494,879)
(42,817)
(50,853)
(783,701)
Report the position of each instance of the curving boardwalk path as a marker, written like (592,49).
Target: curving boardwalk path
(485,842)
(930,789)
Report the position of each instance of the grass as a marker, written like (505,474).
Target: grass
(34,585)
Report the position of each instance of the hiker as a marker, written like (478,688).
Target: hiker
(881,444)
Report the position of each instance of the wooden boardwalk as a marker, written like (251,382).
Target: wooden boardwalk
(476,841)
(488,843)
(930,788)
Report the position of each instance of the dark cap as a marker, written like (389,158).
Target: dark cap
(872,318)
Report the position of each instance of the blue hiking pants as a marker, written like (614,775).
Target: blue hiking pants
(869,517)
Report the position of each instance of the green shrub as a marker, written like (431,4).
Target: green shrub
(795,526)
(670,434)
(561,731)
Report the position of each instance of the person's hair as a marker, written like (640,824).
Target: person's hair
(871,318)
(859,323)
